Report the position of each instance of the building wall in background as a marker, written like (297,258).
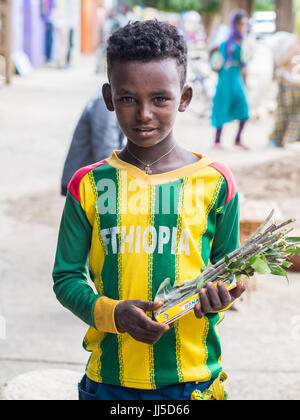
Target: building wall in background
(88,11)
(29,27)
(90,26)
(34,32)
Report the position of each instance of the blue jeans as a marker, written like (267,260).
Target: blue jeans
(90,390)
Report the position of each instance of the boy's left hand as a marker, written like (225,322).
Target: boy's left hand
(214,299)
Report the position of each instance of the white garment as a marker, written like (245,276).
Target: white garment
(125,19)
(289,63)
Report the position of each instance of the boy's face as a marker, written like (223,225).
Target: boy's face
(146,98)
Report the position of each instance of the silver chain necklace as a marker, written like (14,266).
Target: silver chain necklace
(147,166)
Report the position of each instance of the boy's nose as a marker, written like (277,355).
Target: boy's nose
(144,113)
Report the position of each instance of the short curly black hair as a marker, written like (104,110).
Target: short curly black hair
(146,41)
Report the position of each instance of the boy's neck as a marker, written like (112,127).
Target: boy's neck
(160,158)
(152,153)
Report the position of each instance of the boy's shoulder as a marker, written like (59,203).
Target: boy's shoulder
(105,165)
(74,184)
(228,178)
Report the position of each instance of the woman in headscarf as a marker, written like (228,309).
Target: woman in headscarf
(230,102)
(287,125)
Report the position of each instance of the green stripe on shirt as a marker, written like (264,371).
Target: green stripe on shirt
(165,360)
(70,268)
(109,345)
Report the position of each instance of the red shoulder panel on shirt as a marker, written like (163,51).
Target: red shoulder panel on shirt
(227,174)
(74,184)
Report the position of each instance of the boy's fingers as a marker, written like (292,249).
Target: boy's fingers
(224,294)
(140,334)
(149,332)
(238,290)
(148,306)
(213,296)
(204,301)
(198,312)
(157,305)
(148,323)
(151,326)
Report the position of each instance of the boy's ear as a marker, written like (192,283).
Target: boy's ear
(186,97)
(107,96)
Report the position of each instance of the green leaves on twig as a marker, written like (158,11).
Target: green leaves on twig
(260,264)
(293,240)
(272,261)
(268,251)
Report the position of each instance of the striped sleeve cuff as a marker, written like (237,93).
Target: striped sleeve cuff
(104,315)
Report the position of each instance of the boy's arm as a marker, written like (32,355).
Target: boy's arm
(226,240)
(71,284)
(227,234)
(70,271)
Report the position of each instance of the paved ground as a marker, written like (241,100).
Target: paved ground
(37,118)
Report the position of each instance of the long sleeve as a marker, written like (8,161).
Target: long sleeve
(227,230)
(70,271)
(70,268)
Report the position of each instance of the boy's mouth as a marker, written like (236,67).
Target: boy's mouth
(145,132)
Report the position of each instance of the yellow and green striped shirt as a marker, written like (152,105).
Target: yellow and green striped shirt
(131,231)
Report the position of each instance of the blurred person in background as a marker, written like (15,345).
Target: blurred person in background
(70,24)
(70,46)
(126,15)
(97,134)
(287,120)
(60,37)
(46,13)
(61,33)
(230,102)
(108,25)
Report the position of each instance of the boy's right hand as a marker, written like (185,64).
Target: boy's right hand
(130,317)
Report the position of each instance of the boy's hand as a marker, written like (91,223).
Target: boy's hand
(130,316)
(216,299)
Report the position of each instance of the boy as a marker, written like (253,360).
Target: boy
(150,211)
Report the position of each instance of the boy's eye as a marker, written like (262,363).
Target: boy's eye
(127,99)
(161,100)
